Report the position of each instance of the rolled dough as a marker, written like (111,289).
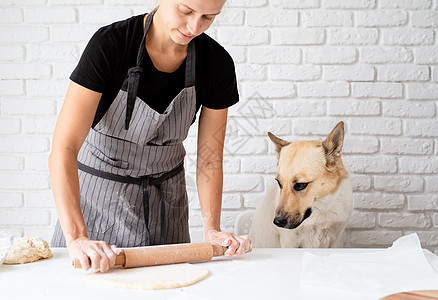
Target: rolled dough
(151,278)
(28,249)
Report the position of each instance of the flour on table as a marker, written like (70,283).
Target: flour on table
(28,249)
(151,278)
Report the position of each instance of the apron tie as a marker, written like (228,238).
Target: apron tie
(133,80)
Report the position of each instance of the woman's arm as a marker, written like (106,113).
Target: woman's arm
(209,178)
(72,127)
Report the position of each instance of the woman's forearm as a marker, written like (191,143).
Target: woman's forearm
(65,187)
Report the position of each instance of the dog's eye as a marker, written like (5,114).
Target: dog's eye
(299,186)
(279,184)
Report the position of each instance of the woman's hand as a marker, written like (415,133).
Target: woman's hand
(237,244)
(96,255)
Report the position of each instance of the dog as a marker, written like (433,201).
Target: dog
(311,202)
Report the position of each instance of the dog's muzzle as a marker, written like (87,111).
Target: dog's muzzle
(284,222)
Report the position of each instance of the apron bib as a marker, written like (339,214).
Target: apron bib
(131,174)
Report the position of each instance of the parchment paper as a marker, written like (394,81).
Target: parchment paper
(402,267)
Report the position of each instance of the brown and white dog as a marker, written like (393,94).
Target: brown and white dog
(311,202)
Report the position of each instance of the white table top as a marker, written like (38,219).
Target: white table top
(262,274)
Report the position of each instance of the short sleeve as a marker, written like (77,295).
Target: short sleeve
(224,92)
(96,65)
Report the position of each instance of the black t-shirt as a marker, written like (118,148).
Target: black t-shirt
(113,50)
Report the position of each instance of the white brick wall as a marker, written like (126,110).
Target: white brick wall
(302,66)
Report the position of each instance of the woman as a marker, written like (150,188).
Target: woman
(117,158)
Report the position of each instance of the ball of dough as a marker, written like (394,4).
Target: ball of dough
(28,249)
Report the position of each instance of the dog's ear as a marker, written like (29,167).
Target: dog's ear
(332,145)
(279,143)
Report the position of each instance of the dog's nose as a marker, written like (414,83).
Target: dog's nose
(280,221)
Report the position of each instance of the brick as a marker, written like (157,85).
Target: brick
(263,17)
(11,200)
(357,36)
(237,53)
(230,17)
(228,217)
(386,55)
(254,108)
(421,128)
(43,232)
(62,70)
(298,4)
(245,145)
(299,108)
(10,126)
(422,91)
(11,53)
(349,4)
(47,88)
(376,126)
(250,72)
(23,2)
(25,71)
(323,89)
(24,217)
(397,220)
(418,165)
(405,4)
(21,144)
(382,238)
(39,199)
(268,89)
(351,73)
(231,165)
(24,181)
(37,162)
(239,183)
(229,201)
(378,201)
(295,73)
(360,145)
(17,232)
(240,36)
(431,184)
(381,18)
(398,183)
(327,19)
(78,33)
(426,55)
(297,36)
(39,125)
(259,127)
(402,73)
(408,36)
(103,15)
(9,163)
(330,55)
(312,126)
(24,34)
(435,219)
(259,164)
(274,55)
(374,164)
(11,16)
(425,19)
(428,238)
(11,87)
(377,89)
(422,203)
(362,220)
(79,2)
(406,146)
(435,74)
(52,53)
(348,107)
(246,3)
(50,15)
(410,109)
(23,107)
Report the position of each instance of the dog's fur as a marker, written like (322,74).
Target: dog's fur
(314,217)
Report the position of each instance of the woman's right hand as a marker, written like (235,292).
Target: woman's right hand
(96,255)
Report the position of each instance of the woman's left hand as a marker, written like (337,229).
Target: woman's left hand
(236,244)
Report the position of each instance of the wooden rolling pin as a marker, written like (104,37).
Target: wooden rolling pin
(165,254)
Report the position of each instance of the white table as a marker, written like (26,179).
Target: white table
(262,274)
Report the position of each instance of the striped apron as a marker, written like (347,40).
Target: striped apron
(130,167)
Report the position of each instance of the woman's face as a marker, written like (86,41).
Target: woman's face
(186,19)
